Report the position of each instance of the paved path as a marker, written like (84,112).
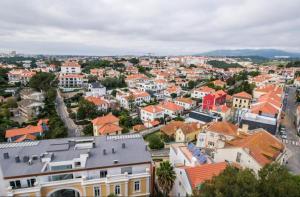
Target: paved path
(73,129)
(292,142)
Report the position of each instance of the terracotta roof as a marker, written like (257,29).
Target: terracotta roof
(185,100)
(223,127)
(220,93)
(205,89)
(171,106)
(219,83)
(243,95)
(30,129)
(71,76)
(265,107)
(262,146)
(43,121)
(171,128)
(26,137)
(109,128)
(97,101)
(153,109)
(109,118)
(136,76)
(270,88)
(197,175)
(139,127)
(70,64)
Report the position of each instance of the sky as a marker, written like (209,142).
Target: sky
(139,27)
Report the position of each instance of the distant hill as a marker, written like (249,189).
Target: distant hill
(267,53)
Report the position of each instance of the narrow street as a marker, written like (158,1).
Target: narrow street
(292,142)
(73,129)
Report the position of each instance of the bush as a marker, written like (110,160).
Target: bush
(155,142)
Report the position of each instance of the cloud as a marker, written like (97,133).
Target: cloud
(116,27)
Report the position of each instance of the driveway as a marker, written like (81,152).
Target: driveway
(73,129)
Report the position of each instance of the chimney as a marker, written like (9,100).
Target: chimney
(146,148)
(104,151)
(5,155)
(17,159)
(123,145)
(25,159)
(116,161)
(113,150)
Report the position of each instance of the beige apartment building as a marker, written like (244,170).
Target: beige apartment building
(84,166)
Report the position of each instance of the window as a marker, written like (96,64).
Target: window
(77,164)
(126,169)
(62,167)
(238,157)
(137,186)
(30,182)
(117,190)
(96,191)
(103,173)
(15,184)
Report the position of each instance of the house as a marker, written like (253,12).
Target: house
(199,93)
(241,100)
(186,103)
(219,83)
(102,105)
(28,93)
(132,98)
(171,109)
(28,133)
(99,72)
(106,125)
(151,112)
(173,90)
(132,80)
(96,89)
(20,76)
(257,92)
(29,108)
(260,80)
(297,82)
(210,100)
(182,131)
(82,166)
(190,178)
(252,150)
(215,134)
(70,67)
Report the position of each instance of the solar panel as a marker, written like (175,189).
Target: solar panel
(191,147)
(120,137)
(19,144)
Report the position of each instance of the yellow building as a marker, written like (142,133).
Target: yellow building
(241,100)
(96,166)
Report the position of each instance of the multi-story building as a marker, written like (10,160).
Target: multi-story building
(96,89)
(129,100)
(20,75)
(151,112)
(241,100)
(85,166)
(106,125)
(28,93)
(29,108)
(215,99)
(201,92)
(71,77)
(186,103)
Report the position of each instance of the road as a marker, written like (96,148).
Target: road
(61,109)
(292,144)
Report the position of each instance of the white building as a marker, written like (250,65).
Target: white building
(199,93)
(151,113)
(96,89)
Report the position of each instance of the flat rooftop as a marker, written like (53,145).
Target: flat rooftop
(66,149)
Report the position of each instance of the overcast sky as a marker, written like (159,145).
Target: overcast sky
(162,27)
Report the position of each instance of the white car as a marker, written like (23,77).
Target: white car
(284,137)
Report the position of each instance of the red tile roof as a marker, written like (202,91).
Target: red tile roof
(109,128)
(153,109)
(97,101)
(243,95)
(105,120)
(262,146)
(171,106)
(23,131)
(223,127)
(197,175)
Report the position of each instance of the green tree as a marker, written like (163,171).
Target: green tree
(86,110)
(42,81)
(88,130)
(134,61)
(155,142)
(166,177)
(173,95)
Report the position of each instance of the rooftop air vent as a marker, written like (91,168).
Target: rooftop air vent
(116,161)
(104,151)
(123,145)
(17,159)
(5,155)
(113,150)
(25,159)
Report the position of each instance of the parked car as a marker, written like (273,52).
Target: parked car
(284,137)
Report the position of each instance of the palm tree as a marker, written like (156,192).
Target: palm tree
(166,176)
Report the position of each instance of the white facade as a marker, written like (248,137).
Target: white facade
(96,91)
(150,116)
(70,70)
